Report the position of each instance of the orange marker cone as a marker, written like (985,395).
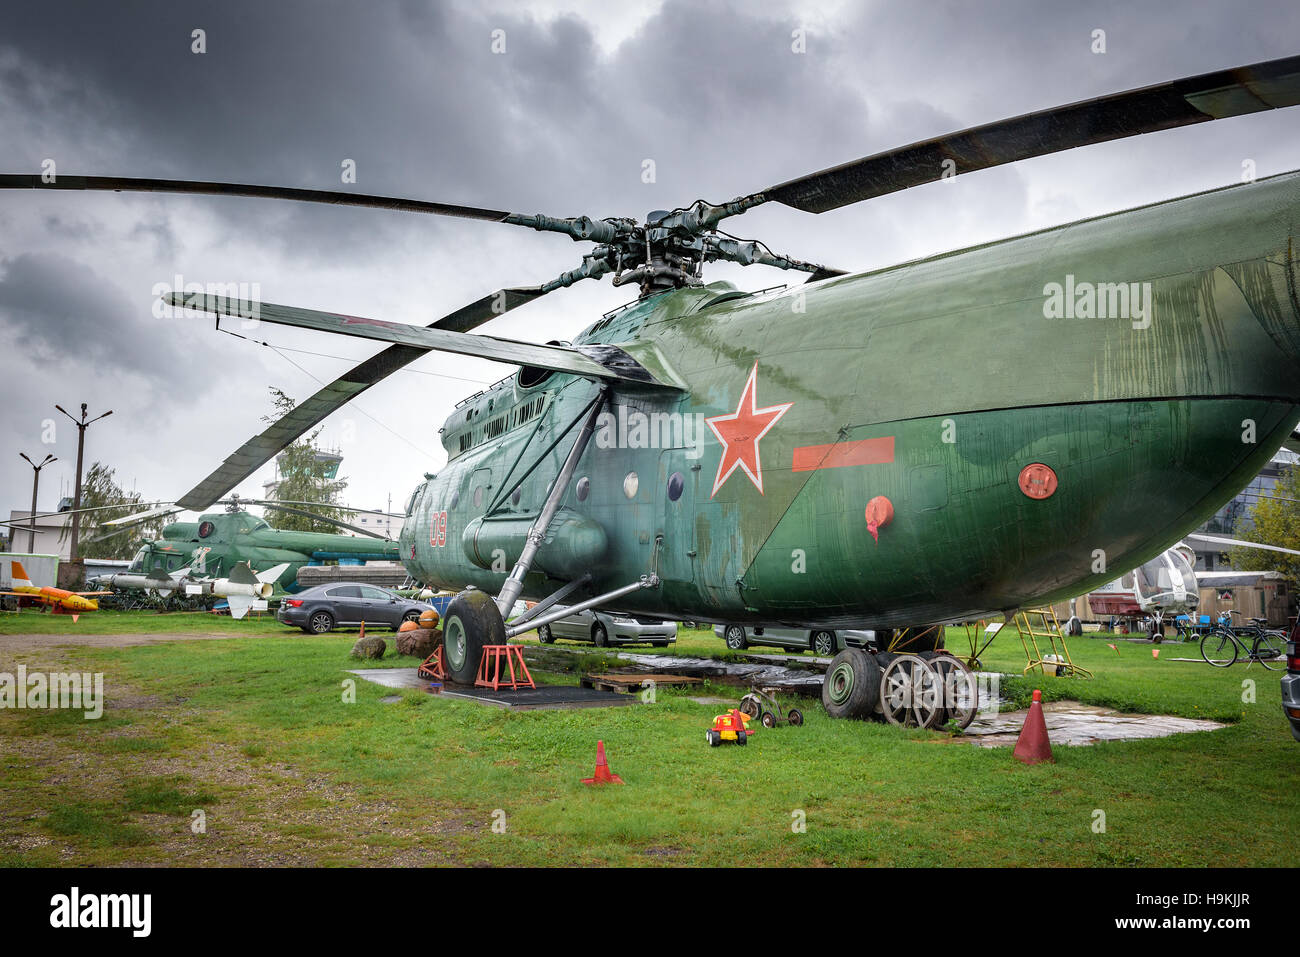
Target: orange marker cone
(603,774)
(1155,652)
(363,630)
(1033,747)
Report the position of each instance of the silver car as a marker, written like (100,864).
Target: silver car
(604,628)
(1291,685)
(823,641)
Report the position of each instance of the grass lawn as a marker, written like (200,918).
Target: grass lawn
(255,733)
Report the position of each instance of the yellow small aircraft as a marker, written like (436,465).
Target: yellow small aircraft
(59,600)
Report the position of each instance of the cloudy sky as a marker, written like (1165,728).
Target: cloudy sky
(561,122)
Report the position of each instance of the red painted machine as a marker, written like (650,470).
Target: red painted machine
(729,727)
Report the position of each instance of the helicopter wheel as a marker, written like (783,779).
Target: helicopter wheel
(472,621)
(851,688)
(911,693)
(960,700)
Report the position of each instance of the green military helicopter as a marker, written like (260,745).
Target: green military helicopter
(948,438)
(211,547)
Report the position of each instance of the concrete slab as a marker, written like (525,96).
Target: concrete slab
(541,698)
(1071,723)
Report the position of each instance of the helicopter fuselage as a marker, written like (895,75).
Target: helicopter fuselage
(937,440)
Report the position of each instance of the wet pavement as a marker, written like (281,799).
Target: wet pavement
(1071,723)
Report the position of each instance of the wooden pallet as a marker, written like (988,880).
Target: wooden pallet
(629,683)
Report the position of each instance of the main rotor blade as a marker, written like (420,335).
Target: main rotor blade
(1220,540)
(595,361)
(332,521)
(1212,96)
(119,184)
(261,448)
(24,522)
(289,501)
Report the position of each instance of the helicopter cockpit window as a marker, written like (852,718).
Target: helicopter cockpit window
(410,504)
(1154,576)
(137,563)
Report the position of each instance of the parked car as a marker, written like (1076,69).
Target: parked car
(317,610)
(823,641)
(1291,682)
(605,628)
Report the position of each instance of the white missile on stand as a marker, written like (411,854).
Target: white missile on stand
(242,590)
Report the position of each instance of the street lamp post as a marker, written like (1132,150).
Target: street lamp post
(81,425)
(36,482)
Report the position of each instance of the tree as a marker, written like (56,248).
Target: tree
(303,476)
(1277,522)
(97,540)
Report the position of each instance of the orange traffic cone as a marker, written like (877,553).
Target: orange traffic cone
(1033,747)
(603,774)
(1155,652)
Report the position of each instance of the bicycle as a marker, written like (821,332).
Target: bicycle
(1223,644)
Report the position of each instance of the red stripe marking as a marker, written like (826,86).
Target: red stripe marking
(862,452)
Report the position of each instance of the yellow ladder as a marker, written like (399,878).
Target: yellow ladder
(1048,627)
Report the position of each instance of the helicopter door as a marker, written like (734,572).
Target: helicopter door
(675,514)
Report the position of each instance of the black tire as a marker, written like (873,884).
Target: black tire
(735,638)
(823,643)
(852,685)
(794,716)
(742,737)
(750,705)
(1219,650)
(768,719)
(412,615)
(472,621)
(320,622)
(713,738)
(544,635)
(599,635)
(1269,650)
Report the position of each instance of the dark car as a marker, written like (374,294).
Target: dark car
(317,610)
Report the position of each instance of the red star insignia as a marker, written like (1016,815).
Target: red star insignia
(739,433)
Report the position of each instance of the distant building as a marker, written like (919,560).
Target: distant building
(331,457)
(1233,519)
(50,537)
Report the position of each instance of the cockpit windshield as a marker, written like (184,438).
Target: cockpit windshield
(1155,577)
(137,563)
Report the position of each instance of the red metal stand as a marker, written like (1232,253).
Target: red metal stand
(489,668)
(432,668)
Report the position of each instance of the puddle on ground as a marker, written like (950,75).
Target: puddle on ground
(1072,723)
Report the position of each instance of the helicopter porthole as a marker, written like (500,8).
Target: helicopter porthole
(478,497)
(630,484)
(205,529)
(514,497)
(676,483)
(584,488)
